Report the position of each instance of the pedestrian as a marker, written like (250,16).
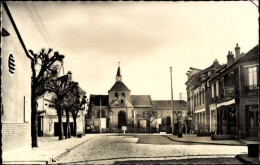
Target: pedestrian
(184,129)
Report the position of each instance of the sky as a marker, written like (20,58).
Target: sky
(145,37)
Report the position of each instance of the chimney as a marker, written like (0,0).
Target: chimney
(216,63)
(230,57)
(69,74)
(237,52)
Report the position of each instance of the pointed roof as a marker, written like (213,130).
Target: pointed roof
(118,70)
(119,86)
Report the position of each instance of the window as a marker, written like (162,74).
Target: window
(123,94)
(11,64)
(202,95)
(116,95)
(212,91)
(252,76)
(231,78)
(122,101)
(217,88)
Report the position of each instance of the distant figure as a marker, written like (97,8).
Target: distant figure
(188,131)
(184,129)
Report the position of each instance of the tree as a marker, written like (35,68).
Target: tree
(80,100)
(42,64)
(70,105)
(60,87)
(149,116)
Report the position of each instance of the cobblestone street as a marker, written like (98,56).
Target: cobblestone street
(111,149)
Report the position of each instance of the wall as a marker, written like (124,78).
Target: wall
(16,91)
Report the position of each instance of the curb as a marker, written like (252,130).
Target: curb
(66,152)
(239,157)
(202,142)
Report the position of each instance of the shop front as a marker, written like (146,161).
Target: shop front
(227,118)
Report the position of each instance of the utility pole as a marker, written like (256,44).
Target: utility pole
(180,121)
(172,102)
(100,116)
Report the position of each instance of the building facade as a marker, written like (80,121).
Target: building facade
(120,108)
(235,95)
(198,97)
(16,87)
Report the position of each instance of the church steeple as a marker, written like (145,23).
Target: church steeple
(118,75)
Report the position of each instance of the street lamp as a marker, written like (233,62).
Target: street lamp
(172,102)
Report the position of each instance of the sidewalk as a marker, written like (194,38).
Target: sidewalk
(49,150)
(193,138)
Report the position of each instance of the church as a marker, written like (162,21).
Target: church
(108,113)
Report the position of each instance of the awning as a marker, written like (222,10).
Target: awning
(226,103)
(200,110)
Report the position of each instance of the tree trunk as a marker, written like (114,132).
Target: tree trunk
(59,112)
(34,121)
(75,124)
(68,135)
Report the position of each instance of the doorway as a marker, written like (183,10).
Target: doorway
(252,120)
(121,119)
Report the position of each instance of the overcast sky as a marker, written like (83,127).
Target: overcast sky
(145,37)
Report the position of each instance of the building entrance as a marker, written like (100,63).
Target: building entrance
(121,119)
(252,117)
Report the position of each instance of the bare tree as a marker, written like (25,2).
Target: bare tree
(149,116)
(60,87)
(41,65)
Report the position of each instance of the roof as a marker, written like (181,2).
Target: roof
(118,72)
(141,100)
(251,54)
(96,100)
(119,86)
(166,104)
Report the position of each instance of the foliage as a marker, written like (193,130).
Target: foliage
(60,87)
(149,116)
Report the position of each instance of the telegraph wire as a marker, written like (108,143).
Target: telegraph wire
(35,22)
(44,28)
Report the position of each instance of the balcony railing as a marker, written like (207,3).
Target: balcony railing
(251,89)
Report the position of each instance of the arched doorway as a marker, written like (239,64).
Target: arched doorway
(121,119)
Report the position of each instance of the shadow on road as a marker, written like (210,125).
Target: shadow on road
(185,161)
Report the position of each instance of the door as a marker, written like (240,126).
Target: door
(121,119)
(253,121)
(40,125)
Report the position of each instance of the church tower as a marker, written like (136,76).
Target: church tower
(118,74)
(119,92)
